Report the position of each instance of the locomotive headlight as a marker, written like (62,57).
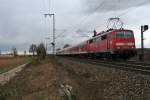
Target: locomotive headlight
(120,44)
(130,44)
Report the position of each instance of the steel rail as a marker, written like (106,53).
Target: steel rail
(139,67)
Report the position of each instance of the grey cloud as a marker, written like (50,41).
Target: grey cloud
(21,23)
(91,6)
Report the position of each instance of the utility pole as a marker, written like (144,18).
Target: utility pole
(53,33)
(143,29)
(46,44)
(53,43)
(142,44)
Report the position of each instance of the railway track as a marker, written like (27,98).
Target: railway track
(138,67)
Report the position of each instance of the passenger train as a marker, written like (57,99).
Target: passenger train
(113,43)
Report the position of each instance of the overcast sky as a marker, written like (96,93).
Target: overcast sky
(22,21)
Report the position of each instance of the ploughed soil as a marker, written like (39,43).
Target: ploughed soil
(41,80)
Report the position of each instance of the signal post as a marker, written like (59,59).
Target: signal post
(143,29)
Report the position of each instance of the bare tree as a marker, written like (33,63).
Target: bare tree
(41,51)
(25,52)
(33,49)
(14,52)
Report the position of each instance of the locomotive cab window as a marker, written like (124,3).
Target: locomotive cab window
(129,35)
(124,35)
(120,35)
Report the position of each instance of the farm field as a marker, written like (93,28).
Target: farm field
(8,63)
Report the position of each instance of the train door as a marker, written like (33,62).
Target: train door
(88,46)
(91,45)
(104,42)
(110,40)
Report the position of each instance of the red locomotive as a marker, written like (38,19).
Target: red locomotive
(113,43)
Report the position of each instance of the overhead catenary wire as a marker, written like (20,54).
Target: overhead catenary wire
(129,10)
(87,16)
(126,11)
(49,6)
(60,34)
(84,19)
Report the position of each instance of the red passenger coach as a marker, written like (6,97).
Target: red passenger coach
(113,43)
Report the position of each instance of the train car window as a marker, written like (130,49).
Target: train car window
(120,35)
(104,37)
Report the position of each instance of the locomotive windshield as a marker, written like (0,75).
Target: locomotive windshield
(120,35)
(124,35)
(129,34)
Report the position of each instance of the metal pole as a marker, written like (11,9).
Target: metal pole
(54,33)
(46,44)
(142,43)
(53,43)
(46,47)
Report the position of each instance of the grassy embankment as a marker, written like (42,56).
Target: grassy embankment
(36,82)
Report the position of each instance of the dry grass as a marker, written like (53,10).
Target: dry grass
(36,81)
(7,63)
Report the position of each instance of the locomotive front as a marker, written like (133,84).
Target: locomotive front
(124,43)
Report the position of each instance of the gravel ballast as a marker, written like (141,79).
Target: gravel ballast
(103,83)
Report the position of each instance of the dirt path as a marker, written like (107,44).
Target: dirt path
(5,77)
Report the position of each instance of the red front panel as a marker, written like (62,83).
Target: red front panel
(124,39)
